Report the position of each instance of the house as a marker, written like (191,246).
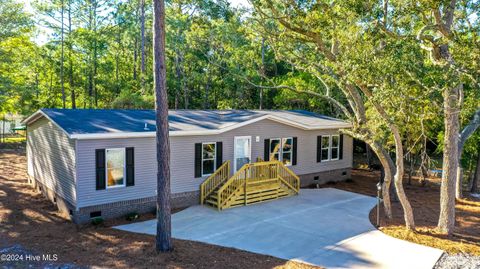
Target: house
(103,162)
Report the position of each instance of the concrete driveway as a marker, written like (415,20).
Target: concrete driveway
(325,227)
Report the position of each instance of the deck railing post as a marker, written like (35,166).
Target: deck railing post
(245,187)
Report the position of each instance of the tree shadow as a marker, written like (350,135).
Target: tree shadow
(28,219)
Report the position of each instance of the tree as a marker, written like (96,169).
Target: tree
(164,240)
(469,129)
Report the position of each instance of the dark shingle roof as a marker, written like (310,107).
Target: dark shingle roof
(98,121)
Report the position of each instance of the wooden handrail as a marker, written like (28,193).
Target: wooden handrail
(214,180)
(288,176)
(256,172)
(232,185)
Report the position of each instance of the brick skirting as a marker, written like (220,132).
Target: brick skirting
(140,206)
(148,204)
(326,176)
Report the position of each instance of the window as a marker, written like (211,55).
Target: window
(334,147)
(281,149)
(325,147)
(275,149)
(115,167)
(287,146)
(208,158)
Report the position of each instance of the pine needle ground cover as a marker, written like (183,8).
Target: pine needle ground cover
(425,203)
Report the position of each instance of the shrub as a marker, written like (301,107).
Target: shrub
(132,216)
(97,221)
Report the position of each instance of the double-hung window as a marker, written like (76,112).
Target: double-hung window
(275,149)
(115,167)
(281,149)
(325,148)
(208,158)
(330,148)
(334,147)
(287,146)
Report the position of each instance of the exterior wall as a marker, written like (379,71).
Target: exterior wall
(325,177)
(145,171)
(142,205)
(51,162)
(183,162)
(182,149)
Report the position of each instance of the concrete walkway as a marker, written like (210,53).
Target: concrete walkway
(325,227)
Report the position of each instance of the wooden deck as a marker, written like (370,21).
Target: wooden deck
(253,183)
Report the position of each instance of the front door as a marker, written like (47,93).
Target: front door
(242,151)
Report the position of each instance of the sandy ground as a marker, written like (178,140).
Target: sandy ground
(28,221)
(426,208)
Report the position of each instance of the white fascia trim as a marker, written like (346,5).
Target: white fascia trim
(37,115)
(189,133)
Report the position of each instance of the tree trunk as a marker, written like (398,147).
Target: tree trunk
(178,75)
(142,45)
(135,44)
(70,73)
(399,163)
(263,73)
(446,221)
(62,56)
(163,238)
(388,171)
(476,176)
(464,135)
(369,155)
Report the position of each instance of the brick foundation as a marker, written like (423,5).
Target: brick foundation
(148,204)
(140,206)
(326,176)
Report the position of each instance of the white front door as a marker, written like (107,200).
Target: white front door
(242,151)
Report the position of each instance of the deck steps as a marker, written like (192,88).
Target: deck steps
(253,183)
(257,191)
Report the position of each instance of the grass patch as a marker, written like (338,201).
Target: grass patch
(431,237)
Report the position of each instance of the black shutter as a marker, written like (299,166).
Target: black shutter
(340,148)
(294,151)
(219,153)
(100,168)
(319,148)
(266,150)
(130,160)
(198,159)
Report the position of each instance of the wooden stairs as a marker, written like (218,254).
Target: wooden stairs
(253,183)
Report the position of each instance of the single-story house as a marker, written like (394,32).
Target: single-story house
(93,162)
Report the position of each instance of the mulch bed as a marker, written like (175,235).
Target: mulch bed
(425,201)
(29,220)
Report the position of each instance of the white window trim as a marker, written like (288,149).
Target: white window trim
(280,151)
(214,157)
(332,147)
(270,148)
(235,149)
(124,169)
(291,151)
(328,148)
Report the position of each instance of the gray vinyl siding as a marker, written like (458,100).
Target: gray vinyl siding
(145,171)
(51,158)
(183,162)
(182,149)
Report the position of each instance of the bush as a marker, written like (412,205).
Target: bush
(132,216)
(97,221)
